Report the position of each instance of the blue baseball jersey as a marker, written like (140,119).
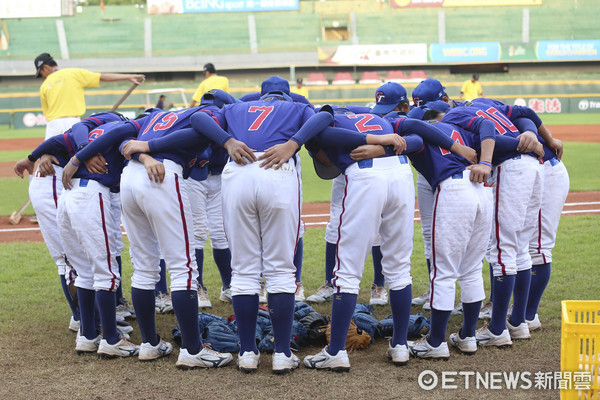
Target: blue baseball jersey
(264,123)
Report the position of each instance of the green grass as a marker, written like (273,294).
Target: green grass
(8,133)
(581,159)
(571,119)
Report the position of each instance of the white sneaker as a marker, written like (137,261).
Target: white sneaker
(485,337)
(519,332)
(84,345)
(486,311)
(163,303)
(420,300)
(74,325)
(225,295)
(262,296)
(379,296)
(151,353)
(125,310)
(283,364)
(203,300)
(426,305)
(399,354)
(422,349)
(324,360)
(534,324)
(123,348)
(467,345)
(324,293)
(124,327)
(206,358)
(299,295)
(248,362)
(457,310)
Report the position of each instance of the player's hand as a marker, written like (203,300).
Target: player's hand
(154,168)
(464,151)
(45,166)
(527,142)
(557,146)
(239,151)
(23,165)
(479,173)
(137,78)
(390,139)
(96,165)
(367,151)
(134,146)
(278,155)
(539,150)
(70,169)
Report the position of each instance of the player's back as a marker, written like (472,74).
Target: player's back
(465,115)
(160,123)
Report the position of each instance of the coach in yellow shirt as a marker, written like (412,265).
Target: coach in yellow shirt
(211,81)
(61,93)
(300,89)
(471,89)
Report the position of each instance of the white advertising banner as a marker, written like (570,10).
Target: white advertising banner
(381,54)
(30,8)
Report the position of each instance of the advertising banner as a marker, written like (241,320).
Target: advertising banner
(391,54)
(462,3)
(214,6)
(568,50)
(517,51)
(465,52)
(30,8)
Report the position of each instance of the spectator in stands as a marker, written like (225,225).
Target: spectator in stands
(300,89)
(211,81)
(471,89)
(161,103)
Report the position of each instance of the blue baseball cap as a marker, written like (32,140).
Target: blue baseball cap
(439,105)
(217,97)
(275,84)
(428,90)
(417,112)
(387,97)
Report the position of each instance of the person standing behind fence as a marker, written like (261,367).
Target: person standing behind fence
(211,81)
(471,89)
(300,88)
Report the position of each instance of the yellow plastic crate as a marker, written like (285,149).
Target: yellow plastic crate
(580,349)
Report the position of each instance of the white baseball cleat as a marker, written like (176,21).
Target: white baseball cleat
(84,345)
(225,295)
(206,358)
(124,327)
(485,337)
(379,296)
(203,300)
(457,310)
(426,305)
(399,354)
(74,325)
(534,324)
(519,332)
(324,360)
(299,295)
(163,303)
(467,345)
(486,311)
(422,349)
(420,300)
(324,293)
(125,309)
(248,361)
(283,364)
(151,353)
(123,348)
(262,296)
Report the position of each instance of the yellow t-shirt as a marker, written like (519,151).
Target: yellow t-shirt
(303,91)
(471,90)
(62,92)
(212,82)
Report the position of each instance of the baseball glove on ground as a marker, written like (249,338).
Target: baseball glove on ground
(356,338)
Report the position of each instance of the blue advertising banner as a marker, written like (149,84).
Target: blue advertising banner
(464,52)
(568,50)
(209,6)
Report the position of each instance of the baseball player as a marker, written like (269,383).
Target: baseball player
(378,200)
(152,224)
(86,219)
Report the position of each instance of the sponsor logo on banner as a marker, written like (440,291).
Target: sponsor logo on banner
(465,52)
(462,3)
(585,105)
(392,54)
(568,50)
(541,106)
(211,6)
(31,120)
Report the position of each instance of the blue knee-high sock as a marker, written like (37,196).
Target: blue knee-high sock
(378,278)
(161,285)
(120,287)
(540,276)
(245,308)
(428,261)
(503,288)
(107,302)
(143,304)
(223,260)
(281,308)
(520,296)
(70,299)
(341,315)
(185,305)
(330,251)
(87,301)
(200,265)
(491,283)
(400,302)
(470,317)
(298,257)
(439,323)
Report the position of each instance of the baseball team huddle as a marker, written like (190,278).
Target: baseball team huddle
(490,185)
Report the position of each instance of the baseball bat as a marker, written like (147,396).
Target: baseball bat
(122,99)
(15,217)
